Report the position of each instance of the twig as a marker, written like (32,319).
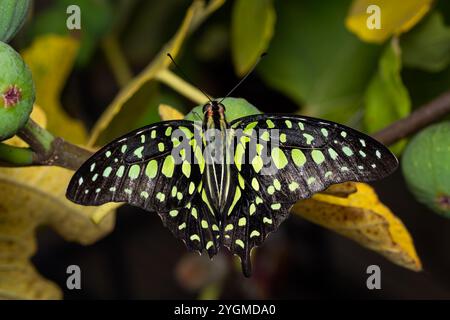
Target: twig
(181,86)
(66,155)
(46,149)
(425,115)
(11,156)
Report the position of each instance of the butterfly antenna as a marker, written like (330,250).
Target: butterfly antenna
(245,77)
(184,75)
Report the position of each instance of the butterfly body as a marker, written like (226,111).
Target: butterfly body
(218,184)
(217,143)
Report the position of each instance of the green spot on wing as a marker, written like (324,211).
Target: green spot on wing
(293,186)
(255,233)
(279,158)
(257,164)
(298,157)
(120,171)
(134,171)
(186,168)
(333,154)
(138,152)
(239,155)
(152,169)
(255,184)
(317,156)
(348,152)
(276,206)
(240,243)
(168,166)
(237,196)
(309,138)
(107,172)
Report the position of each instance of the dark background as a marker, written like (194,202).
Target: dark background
(138,260)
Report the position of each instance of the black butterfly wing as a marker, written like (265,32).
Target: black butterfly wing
(283,159)
(158,168)
(250,219)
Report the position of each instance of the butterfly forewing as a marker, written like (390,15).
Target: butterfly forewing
(141,168)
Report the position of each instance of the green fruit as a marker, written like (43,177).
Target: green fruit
(16,92)
(236,108)
(12,17)
(426,167)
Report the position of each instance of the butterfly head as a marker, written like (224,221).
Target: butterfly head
(213,107)
(214,115)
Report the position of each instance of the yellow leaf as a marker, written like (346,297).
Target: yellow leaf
(23,282)
(51,58)
(364,219)
(30,198)
(395,17)
(341,190)
(167,112)
(34,197)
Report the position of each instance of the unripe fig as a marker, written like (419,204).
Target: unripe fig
(16,92)
(426,167)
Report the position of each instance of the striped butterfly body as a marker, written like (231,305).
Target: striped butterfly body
(226,184)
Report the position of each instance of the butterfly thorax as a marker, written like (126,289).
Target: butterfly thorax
(216,142)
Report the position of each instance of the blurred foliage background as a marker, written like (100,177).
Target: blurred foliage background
(322,61)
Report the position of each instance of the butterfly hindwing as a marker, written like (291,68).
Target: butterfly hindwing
(250,220)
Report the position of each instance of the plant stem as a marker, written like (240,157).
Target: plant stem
(67,155)
(15,157)
(425,115)
(181,86)
(46,149)
(39,139)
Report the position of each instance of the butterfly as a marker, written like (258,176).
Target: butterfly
(218,184)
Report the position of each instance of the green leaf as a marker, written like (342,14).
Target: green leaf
(315,61)
(96,20)
(13,14)
(252,27)
(387,99)
(428,45)
(426,167)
